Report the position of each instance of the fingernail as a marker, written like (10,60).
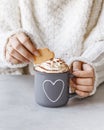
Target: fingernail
(36,53)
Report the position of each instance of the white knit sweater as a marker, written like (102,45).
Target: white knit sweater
(73,29)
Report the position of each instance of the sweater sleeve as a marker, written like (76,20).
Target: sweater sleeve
(93,53)
(10,23)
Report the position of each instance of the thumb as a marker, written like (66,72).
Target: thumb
(77,65)
(87,67)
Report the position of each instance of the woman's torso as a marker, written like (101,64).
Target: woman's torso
(60,25)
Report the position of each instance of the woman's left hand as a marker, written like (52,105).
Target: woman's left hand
(84,81)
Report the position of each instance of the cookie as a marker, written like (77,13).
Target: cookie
(45,55)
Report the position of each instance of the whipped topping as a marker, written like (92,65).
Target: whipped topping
(55,65)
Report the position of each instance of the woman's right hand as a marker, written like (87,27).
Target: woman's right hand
(20,49)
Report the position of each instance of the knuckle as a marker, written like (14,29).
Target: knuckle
(17,46)
(75,62)
(11,51)
(82,94)
(12,39)
(76,65)
(88,88)
(10,59)
(19,34)
(22,37)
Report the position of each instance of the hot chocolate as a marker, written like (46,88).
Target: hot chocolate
(55,65)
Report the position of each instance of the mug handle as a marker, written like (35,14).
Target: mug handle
(71,95)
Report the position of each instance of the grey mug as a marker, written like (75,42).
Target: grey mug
(52,89)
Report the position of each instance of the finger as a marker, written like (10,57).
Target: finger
(17,56)
(84,74)
(25,40)
(77,65)
(84,81)
(22,37)
(87,67)
(11,59)
(84,88)
(82,94)
(72,88)
(21,49)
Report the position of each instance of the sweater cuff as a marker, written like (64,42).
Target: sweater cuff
(85,60)
(4,63)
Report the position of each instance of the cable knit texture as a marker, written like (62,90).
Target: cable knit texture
(73,29)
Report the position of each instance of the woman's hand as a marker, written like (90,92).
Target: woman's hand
(20,49)
(84,81)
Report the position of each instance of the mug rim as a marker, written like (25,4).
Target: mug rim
(51,73)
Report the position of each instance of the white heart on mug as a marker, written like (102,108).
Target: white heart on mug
(53,90)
